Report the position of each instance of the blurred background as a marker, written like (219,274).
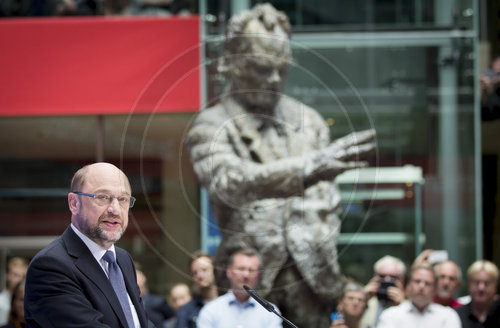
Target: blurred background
(410,69)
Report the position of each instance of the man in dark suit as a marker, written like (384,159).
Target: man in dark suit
(67,283)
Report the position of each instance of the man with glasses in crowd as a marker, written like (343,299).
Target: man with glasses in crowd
(81,279)
(236,308)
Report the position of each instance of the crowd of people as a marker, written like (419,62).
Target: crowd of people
(426,297)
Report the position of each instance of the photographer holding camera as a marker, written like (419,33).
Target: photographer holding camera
(385,289)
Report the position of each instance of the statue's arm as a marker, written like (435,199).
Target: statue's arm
(230,177)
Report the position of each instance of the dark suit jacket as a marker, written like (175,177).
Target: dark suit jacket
(157,309)
(66,287)
(188,313)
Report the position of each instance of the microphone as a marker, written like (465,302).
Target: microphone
(268,306)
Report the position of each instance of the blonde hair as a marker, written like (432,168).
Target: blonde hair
(483,265)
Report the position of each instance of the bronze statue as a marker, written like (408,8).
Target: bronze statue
(268,166)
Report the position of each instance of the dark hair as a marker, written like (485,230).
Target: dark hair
(14,317)
(199,254)
(248,251)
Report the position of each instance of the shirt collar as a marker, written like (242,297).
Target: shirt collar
(232,300)
(412,308)
(96,250)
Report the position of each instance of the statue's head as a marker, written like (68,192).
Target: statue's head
(257,56)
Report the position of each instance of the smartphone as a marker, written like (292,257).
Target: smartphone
(336,316)
(438,256)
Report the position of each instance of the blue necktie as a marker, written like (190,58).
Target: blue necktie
(116,279)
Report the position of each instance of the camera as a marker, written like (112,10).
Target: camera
(382,290)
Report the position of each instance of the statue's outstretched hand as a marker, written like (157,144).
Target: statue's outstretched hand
(343,154)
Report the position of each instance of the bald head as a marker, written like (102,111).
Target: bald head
(95,171)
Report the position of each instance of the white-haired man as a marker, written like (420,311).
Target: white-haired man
(385,289)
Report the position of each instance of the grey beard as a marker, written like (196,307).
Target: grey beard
(444,293)
(99,234)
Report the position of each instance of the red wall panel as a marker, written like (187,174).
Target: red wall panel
(99,65)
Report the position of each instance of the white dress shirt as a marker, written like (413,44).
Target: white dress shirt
(4,307)
(406,315)
(227,312)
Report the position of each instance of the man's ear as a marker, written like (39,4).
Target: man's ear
(74,203)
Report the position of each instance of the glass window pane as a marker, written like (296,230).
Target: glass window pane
(405,68)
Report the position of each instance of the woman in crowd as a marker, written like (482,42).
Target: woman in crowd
(16,315)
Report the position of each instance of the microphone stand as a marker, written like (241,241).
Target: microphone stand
(268,306)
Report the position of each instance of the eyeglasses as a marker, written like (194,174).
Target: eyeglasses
(102,199)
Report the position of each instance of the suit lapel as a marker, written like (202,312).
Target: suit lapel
(87,264)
